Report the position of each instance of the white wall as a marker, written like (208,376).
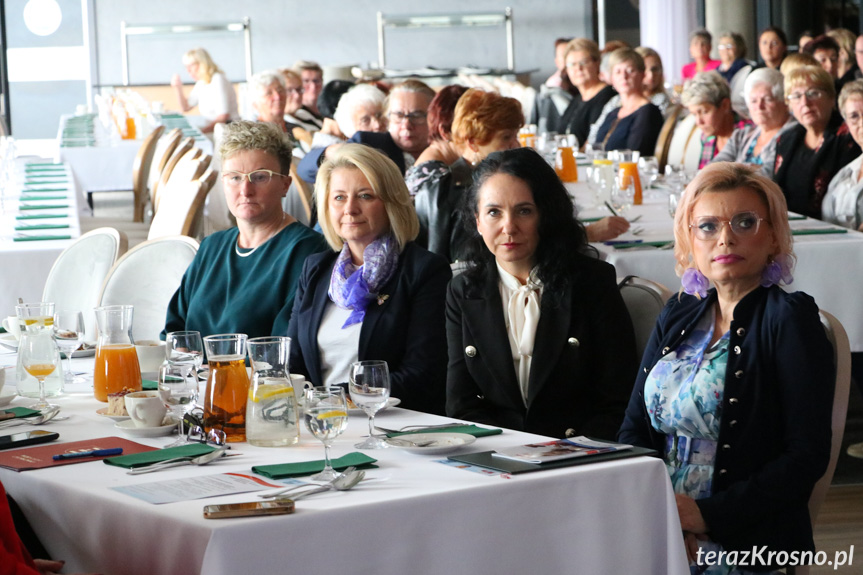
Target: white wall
(332,32)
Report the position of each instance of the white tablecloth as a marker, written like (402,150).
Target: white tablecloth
(24,266)
(829,266)
(419,516)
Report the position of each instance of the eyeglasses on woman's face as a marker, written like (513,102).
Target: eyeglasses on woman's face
(812,94)
(256,178)
(742,225)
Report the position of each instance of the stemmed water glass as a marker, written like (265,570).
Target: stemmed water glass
(40,357)
(369,386)
(326,414)
(185,348)
(178,388)
(623,194)
(68,334)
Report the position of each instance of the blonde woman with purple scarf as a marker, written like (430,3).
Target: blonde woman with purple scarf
(377,295)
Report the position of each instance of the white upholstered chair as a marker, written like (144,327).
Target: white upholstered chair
(644,300)
(76,278)
(181,207)
(147,277)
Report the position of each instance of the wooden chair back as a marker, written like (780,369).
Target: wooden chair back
(164,150)
(178,162)
(181,206)
(302,135)
(304,190)
(179,151)
(141,172)
(663,143)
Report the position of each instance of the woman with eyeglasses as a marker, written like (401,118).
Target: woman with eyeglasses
(295,113)
(811,153)
(736,385)
(582,67)
(243,279)
(843,203)
(732,55)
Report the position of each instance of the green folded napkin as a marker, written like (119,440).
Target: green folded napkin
(29,182)
(282,470)
(51,207)
(471,429)
(29,198)
(656,244)
(149,385)
(812,232)
(21,411)
(43,190)
(35,176)
(27,227)
(43,165)
(40,238)
(142,459)
(40,216)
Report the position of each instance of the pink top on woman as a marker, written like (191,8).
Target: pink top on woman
(688,71)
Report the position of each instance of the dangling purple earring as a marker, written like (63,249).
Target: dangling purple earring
(778,269)
(694,282)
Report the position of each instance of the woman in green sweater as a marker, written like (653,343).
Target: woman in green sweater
(243,279)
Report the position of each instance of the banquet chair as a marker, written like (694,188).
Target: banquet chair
(685,145)
(141,172)
(302,135)
(182,205)
(183,148)
(644,299)
(147,277)
(663,143)
(842,359)
(304,190)
(75,279)
(164,150)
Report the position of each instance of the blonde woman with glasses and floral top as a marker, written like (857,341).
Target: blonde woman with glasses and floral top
(243,280)
(735,387)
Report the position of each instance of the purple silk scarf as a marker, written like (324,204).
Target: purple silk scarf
(353,287)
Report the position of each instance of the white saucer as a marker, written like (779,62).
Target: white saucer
(104,413)
(391,402)
(6,398)
(128,427)
(9,341)
(443,442)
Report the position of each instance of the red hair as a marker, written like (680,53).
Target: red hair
(479,115)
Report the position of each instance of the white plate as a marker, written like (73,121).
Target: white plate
(6,398)
(443,442)
(104,413)
(9,341)
(391,402)
(128,427)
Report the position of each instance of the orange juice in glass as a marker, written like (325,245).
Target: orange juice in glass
(227,385)
(117,364)
(628,166)
(565,165)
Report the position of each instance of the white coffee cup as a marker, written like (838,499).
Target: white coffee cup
(151,354)
(146,408)
(11,325)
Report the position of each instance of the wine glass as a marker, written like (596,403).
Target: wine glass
(649,168)
(68,334)
(40,357)
(178,388)
(370,388)
(673,200)
(326,414)
(623,193)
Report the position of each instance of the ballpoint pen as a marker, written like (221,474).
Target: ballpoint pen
(93,453)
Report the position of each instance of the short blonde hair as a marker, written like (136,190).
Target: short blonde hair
(244,136)
(290,75)
(628,55)
(202,58)
(815,75)
(385,179)
(795,60)
(728,177)
(853,89)
(584,45)
(846,40)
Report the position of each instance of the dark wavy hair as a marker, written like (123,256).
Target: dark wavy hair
(562,238)
(442,109)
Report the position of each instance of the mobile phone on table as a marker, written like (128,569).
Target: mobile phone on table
(27,438)
(250,509)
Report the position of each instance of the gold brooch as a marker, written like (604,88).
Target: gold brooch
(382,298)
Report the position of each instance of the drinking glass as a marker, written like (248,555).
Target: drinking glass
(227,385)
(69,333)
(623,194)
(185,348)
(673,200)
(326,414)
(40,357)
(649,168)
(369,385)
(178,388)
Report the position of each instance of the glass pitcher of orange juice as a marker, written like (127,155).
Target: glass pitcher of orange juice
(227,385)
(565,166)
(628,162)
(116,359)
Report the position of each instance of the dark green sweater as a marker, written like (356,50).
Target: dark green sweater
(222,292)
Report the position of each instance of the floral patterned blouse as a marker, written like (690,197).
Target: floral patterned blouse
(419,174)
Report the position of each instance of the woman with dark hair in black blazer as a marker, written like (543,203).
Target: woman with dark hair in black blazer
(539,338)
(377,295)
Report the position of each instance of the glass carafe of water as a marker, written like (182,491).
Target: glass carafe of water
(117,364)
(271,409)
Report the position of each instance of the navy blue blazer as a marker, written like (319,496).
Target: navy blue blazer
(774,432)
(583,360)
(406,329)
(307,169)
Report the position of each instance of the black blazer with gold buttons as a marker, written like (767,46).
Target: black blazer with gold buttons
(774,431)
(583,361)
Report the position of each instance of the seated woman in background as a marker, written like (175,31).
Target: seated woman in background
(435,160)
(653,84)
(376,294)
(213,94)
(295,114)
(268,95)
(708,98)
(530,293)
(243,280)
(700,42)
(582,67)
(773,47)
(843,203)
(484,122)
(756,144)
(809,154)
(732,55)
(328,102)
(636,124)
(736,384)
(846,68)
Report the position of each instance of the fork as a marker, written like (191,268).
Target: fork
(419,427)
